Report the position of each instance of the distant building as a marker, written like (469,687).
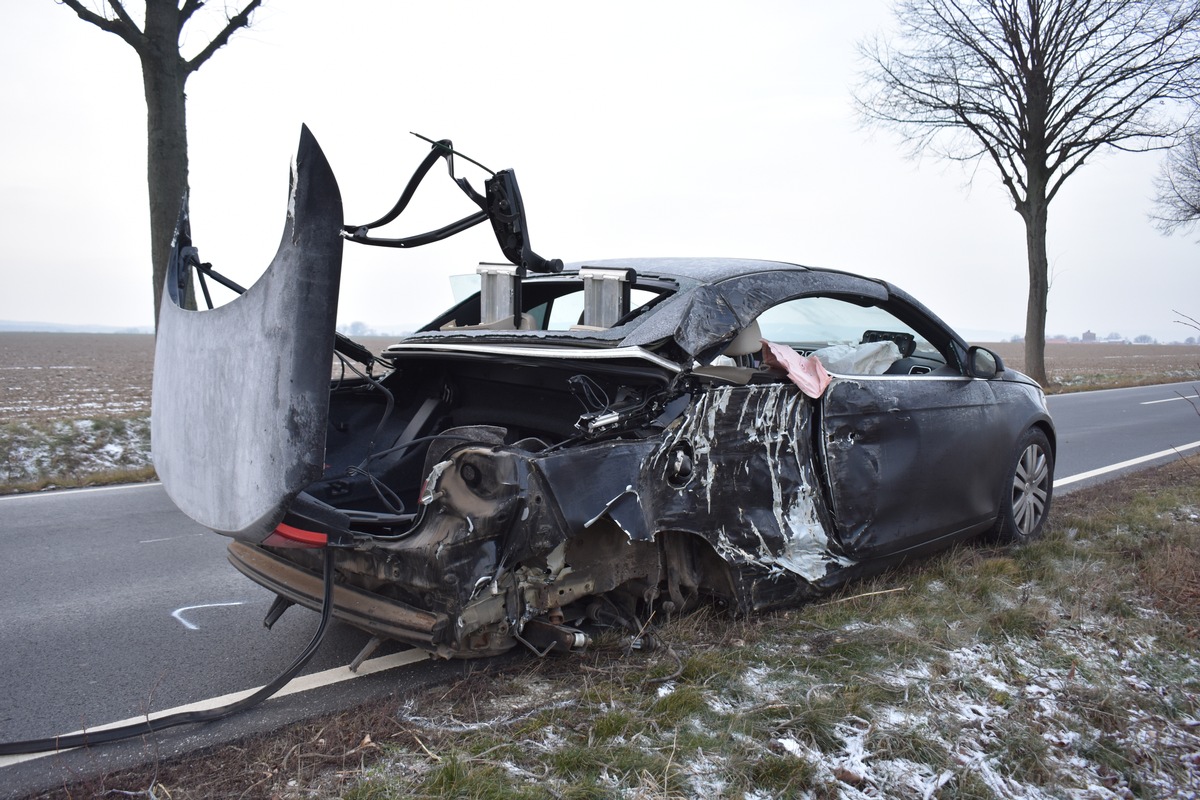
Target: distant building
(1088,336)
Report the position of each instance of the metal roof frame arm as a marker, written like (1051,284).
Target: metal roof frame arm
(501,203)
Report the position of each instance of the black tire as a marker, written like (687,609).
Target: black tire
(1028,489)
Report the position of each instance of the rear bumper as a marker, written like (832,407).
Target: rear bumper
(371,612)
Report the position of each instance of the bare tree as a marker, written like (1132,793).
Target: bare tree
(164,72)
(1035,87)
(1178,186)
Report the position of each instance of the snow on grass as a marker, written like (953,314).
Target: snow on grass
(1066,668)
(68,451)
(1078,713)
(1042,672)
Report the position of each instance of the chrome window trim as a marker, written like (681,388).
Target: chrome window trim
(559,353)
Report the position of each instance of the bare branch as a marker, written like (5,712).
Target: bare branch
(122,26)
(1192,322)
(239,20)
(1178,187)
(1038,87)
(119,9)
(185,12)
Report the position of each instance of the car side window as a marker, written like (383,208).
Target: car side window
(850,338)
(566,310)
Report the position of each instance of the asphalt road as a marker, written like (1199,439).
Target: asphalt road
(1099,430)
(116,604)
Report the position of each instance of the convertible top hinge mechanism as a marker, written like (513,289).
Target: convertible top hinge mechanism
(500,203)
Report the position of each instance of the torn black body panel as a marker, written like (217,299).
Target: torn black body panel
(750,491)
(735,471)
(600,479)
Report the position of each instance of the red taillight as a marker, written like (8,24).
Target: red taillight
(287,536)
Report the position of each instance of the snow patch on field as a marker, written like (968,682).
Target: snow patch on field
(72,449)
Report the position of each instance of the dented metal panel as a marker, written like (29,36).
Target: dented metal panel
(910,459)
(241,392)
(593,481)
(751,491)
(715,313)
(736,471)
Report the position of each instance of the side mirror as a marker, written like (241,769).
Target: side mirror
(983,363)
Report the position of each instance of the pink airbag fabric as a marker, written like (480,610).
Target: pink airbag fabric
(805,371)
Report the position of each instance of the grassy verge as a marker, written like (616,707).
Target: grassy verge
(1069,666)
(44,454)
(1090,383)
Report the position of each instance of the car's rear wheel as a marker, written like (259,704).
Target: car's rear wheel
(1025,502)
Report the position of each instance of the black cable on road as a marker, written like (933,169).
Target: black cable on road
(87,738)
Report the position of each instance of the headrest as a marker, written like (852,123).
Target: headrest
(748,341)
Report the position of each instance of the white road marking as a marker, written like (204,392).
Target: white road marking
(191,626)
(1083,476)
(171,538)
(73,492)
(1168,400)
(301,684)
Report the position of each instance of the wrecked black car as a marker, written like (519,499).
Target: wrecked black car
(596,441)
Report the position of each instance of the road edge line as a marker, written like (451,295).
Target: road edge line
(1083,476)
(302,683)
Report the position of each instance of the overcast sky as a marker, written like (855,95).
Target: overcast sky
(636,129)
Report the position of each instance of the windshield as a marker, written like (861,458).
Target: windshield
(810,323)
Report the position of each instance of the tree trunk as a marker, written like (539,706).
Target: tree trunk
(164,73)
(1034,215)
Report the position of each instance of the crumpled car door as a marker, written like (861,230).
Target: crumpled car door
(910,460)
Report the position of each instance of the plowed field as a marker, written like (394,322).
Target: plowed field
(46,376)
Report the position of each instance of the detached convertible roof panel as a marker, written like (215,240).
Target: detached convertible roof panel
(241,391)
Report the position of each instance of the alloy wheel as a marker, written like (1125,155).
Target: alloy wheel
(1030,489)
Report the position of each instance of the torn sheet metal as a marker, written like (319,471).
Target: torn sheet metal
(594,481)
(741,445)
(748,443)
